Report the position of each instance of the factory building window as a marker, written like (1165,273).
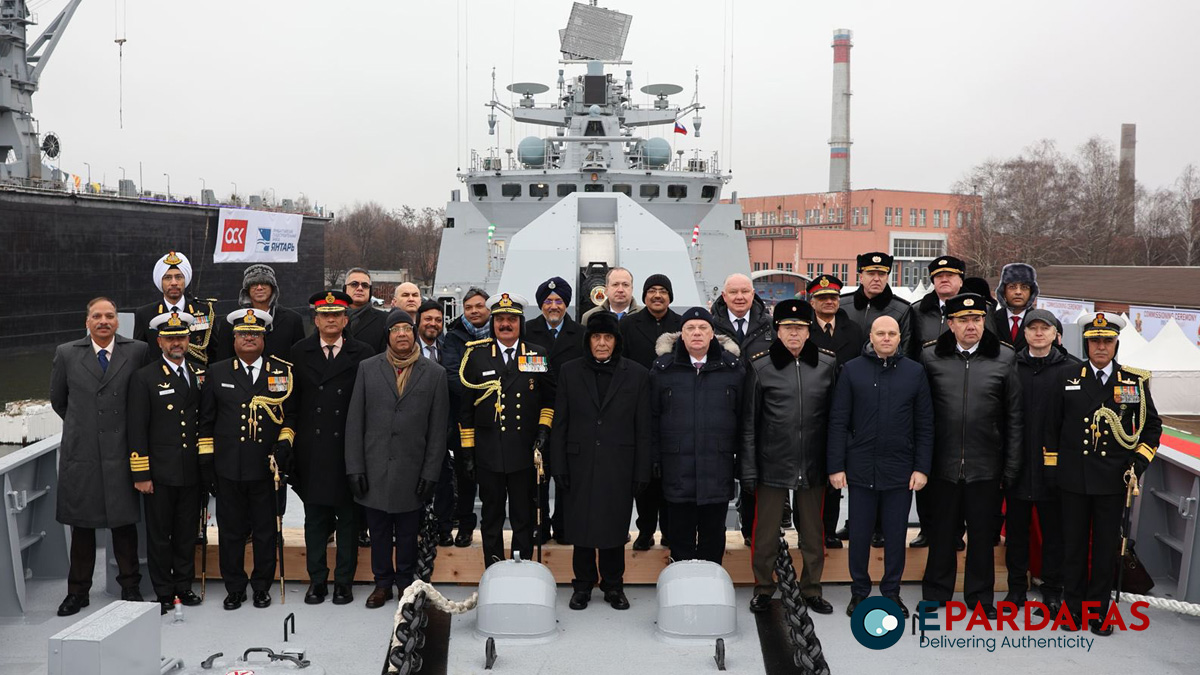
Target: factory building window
(959,222)
(651,191)
(923,222)
(593,187)
(845,272)
(511,190)
(626,190)
(779,266)
(708,192)
(810,270)
(912,217)
(917,248)
(565,189)
(854,215)
(937,218)
(480,191)
(887,216)
(676,191)
(866,215)
(539,190)
(788,267)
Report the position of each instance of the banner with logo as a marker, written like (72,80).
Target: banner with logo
(1066,310)
(1149,320)
(257,236)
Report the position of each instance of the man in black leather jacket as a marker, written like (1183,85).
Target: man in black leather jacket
(977,445)
(785,414)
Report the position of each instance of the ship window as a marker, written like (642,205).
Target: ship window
(594,128)
(676,191)
(565,189)
(648,191)
(709,192)
(626,190)
(479,190)
(511,190)
(593,187)
(539,190)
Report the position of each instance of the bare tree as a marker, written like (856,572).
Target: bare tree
(1156,226)
(1187,191)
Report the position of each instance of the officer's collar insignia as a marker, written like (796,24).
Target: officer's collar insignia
(1100,321)
(172,259)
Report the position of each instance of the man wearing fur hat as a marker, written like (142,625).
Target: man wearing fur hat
(562,338)
(874,298)
(172,275)
(639,334)
(1016,294)
(696,401)
(785,408)
(1105,433)
(506,412)
(260,291)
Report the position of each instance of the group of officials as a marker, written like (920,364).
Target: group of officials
(967,400)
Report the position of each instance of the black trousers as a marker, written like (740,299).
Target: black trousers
(246,507)
(518,489)
(172,523)
(393,534)
(1018,515)
(83,558)
(464,509)
(746,508)
(697,531)
(952,502)
(320,521)
(609,571)
(443,497)
(652,510)
(886,511)
(925,508)
(1100,517)
(833,511)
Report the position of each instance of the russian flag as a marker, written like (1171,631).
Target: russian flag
(680,129)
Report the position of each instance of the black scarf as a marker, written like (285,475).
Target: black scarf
(604,372)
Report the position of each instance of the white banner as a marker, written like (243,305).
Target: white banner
(1066,310)
(257,236)
(1149,320)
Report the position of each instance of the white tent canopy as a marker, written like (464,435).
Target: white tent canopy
(1174,362)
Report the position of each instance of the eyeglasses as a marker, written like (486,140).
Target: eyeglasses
(360,284)
(401,328)
(554,302)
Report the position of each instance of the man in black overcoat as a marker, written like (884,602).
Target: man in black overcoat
(600,455)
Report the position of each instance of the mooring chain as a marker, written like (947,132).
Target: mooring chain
(427,545)
(808,654)
(404,657)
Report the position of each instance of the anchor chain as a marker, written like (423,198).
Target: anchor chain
(427,544)
(807,653)
(404,655)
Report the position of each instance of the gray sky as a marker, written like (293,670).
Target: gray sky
(356,101)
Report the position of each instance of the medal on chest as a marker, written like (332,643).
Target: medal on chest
(277,383)
(531,364)
(1126,394)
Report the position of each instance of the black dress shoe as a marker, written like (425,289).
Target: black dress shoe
(843,534)
(617,599)
(643,542)
(541,537)
(854,600)
(1074,625)
(833,542)
(262,599)
(234,600)
(378,597)
(559,538)
(818,604)
(899,603)
(189,599)
(342,595)
(962,544)
(464,538)
(580,599)
(316,593)
(1018,598)
(760,603)
(132,595)
(662,541)
(748,541)
(1098,628)
(165,604)
(919,541)
(446,539)
(364,539)
(989,611)
(877,540)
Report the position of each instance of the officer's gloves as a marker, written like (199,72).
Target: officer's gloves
(358,485)
(282,452)
(208,478)
(1140,464)
(639,487)
(425,489)
(749,485)
(539,443)
(468,459)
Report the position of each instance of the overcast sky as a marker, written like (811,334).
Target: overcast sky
(355,100)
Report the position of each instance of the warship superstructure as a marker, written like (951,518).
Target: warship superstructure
(598,191)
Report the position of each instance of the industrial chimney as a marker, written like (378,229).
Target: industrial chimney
(839,141)
(1126,179)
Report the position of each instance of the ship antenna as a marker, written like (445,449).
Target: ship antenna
(120,39)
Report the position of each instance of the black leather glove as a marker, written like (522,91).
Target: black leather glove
(562,482)
(748,486)
(282,451)
(208,478)
(425,489)
(639,487)
(358,485)
(1140,464)
(539,443)
(656,470)
(468,460)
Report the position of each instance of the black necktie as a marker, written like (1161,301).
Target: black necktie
(102,357)
(250,373)
(182,376)
(330,348)
(829,329)
(431,353)
(174,308)
(1100,377)
(508,356)
(741,330)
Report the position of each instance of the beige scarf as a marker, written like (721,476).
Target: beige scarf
(403,365)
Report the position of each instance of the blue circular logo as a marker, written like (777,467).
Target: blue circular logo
(877,623)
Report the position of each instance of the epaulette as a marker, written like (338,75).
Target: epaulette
(1144,374)
(931,342)
(286,363)
(760,354)
(475,343)
(1008,344)
(829,352)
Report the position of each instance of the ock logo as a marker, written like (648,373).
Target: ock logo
(877,623)
(233,239)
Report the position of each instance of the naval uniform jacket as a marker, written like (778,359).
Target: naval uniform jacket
(322,393)
(162,418)
(1080,444)
(502,427)
(229,403)
(202,347)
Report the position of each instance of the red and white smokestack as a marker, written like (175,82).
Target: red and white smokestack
(839,141)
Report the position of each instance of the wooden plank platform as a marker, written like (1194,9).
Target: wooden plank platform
(465,565)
